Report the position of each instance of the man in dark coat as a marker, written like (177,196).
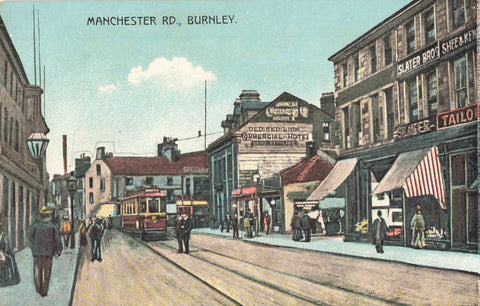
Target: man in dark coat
(179,232)
(379,230)
(187,228)
(235,226)
(96,233)
(305,224)
(45,242)
(296,227)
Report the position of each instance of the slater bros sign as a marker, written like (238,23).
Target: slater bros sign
(457,116)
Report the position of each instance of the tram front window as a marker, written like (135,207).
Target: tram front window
(153,206)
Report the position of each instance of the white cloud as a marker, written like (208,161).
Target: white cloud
(177,73)
(108,88)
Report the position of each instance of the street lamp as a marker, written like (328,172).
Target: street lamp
(37,145)
(72,187)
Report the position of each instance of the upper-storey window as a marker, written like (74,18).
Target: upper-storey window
(429,22)
(457,9)
(326,130)
(432,92)
(346,124)
(373,58)
(357,68)
(410,31)
(412,92)
(390,112)
(345,74)
(99,170)
(376,118)
(460,68)
(387,41)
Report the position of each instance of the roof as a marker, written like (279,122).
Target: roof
(141,166)
(307,170)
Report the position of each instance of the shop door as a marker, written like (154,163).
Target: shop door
(459,199)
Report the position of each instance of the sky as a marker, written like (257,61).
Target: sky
(125,87)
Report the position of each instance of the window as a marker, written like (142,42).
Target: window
(429,22)
(5,125)
(376,118)
(153,205)
(390,113)
(357,68)
(410,31)
(413,99)
(187,186)
(17,136)
(373,58)
(129,181)
(5,76)
(10,132)
(149,180)
(326,130)
(358,124)
(346,124)
(387,41)
(460,69)
(169,181)
(170,196)
(230,165)
(90,182)
(99,170)
(457,8)
(102,184)
(345,74)
(90,196)
(432,93)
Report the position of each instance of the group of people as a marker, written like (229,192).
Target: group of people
(417,225)
(183,227)
(299,224)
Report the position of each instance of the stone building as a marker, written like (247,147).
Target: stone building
(405,95)
(23,180)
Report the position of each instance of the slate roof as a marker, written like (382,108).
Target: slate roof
(154,166)
(307,170)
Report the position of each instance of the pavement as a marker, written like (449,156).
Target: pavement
(63,272)
(61,280)
(465,262)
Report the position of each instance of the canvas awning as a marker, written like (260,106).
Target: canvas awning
(334,179)
(245,191)
(418,173)
(106,210)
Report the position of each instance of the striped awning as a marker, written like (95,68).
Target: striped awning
(418,173)
(334,179)
(106,210)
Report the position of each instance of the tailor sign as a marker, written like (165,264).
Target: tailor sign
(457,116)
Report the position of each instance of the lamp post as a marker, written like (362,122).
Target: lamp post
(72,187)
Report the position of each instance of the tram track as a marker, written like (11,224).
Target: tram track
(299,289)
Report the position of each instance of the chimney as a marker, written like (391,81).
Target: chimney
(100,153)
(65,154)
(249,95)
(327,103)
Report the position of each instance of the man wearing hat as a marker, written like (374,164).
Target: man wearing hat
(45,242)
(418,227)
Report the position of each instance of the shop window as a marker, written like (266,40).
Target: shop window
(387,41)
(357,68)
(412,93)
(326,130)
(373,58)
(390,112)
(376,118)
(410,32)
(432,93)
(429,23)
(345,75)
(458,174)
(460,70)
(457,9)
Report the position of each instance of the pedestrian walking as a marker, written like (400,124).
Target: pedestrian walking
(418,227)
(247,225)
(379,230)
(96,233)
(65,231)
(235,226)
(296,229)
(179,232)
(305,225)
(267,220)
(227,223)
(83,233)
(45,243)
(8,267)
(187,228)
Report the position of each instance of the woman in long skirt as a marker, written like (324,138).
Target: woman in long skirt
(8,267)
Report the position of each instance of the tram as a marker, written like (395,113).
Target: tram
(144,214)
